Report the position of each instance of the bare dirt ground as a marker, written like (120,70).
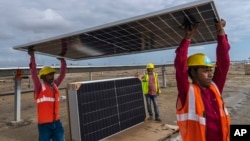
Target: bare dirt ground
(236,95)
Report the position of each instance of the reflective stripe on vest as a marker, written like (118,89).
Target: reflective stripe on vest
(145,83)
(48,103)
(45,99)
(225,109)
(191,115)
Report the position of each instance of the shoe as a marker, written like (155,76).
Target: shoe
(157,119)
(150,118)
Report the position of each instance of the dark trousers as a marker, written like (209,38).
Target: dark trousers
(53,130)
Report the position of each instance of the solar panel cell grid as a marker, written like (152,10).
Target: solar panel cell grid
(150,32)
(107,107)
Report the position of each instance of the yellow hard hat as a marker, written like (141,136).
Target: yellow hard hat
(150,66)
(46,70)
(199,59)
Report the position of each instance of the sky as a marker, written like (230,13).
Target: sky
(25,21)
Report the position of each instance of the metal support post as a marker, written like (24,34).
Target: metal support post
(163,71)
(90,75)
(17,104)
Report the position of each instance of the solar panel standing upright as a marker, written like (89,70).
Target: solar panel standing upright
(101,108)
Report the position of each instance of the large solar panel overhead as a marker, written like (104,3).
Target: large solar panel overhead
(101,108)
(150,32)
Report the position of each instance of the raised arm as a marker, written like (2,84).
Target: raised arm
(62,73)
(180,62)
(222,55)
(33,72)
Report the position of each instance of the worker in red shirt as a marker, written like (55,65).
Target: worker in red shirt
(201,112)
(47,98)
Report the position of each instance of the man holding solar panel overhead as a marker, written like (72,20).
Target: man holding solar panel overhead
(200,110)
(47,98)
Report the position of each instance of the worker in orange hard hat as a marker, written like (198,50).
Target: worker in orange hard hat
(200,110)
(151,89)
(47,98)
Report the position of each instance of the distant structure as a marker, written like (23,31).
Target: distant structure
(247,68)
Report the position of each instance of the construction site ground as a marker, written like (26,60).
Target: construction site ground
(236,95)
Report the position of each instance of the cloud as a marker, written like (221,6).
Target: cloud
(40,21)
(91,13)
(6,35)
(25,21)
(237,15)
(8,57)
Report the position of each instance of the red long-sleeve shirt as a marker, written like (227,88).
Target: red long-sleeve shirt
(36,80)
(213,130)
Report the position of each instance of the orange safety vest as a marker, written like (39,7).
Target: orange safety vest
(47,103)
(191,116)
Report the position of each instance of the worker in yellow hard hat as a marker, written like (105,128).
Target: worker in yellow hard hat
(151,89)
(200,109)
(47,72)
(47,97)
